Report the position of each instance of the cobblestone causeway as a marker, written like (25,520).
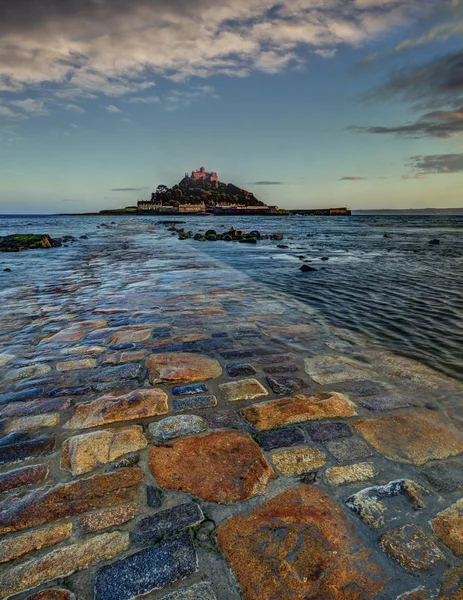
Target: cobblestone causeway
(171,429)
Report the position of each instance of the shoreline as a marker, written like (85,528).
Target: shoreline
(312,415)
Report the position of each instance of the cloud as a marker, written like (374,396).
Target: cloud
(326,53)
(132,189)
(407,176)
(8,113)
(31,106)
(436,87)
(444,124)
(266,183)
(74,108)
(441,33)
(145,100)
(112,109)
(83,48)
(437,164)
(352,178)
(431,84)
(177,99)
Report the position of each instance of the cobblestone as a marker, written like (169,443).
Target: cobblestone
(154,568)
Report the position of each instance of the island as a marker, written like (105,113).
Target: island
(201,192)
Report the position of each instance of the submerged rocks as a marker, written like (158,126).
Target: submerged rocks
(233,235)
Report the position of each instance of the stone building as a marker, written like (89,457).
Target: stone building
(203,175)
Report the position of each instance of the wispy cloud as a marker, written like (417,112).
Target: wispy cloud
(8,113)
(74,108)
(407,176)
(351,178)
(430,84)
(31,106)
(177,99)
(441,33)
(112,109)
(435,87)
(145,100)
(439,123)
(326,53)
(130,189)
(266,183)
(437,164)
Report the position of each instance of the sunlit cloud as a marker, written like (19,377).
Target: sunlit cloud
(30,105)
(74,108)
(82,48)
(112,109)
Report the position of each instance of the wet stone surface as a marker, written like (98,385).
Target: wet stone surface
(411,548)
(154,568)
(380,403)
(150,529)
(171,428)
(199,591)
(192,403)
(185,390)
(221,467)
(349,449)
(326,432)
(284,385)
(281,438)
(240,369)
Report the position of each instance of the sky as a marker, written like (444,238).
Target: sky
(306,103)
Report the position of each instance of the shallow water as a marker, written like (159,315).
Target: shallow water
(400,292)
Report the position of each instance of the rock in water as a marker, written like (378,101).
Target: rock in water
(16,242)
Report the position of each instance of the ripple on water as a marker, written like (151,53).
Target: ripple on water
(399,292)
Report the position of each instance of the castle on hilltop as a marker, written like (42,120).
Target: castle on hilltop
(203,175)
